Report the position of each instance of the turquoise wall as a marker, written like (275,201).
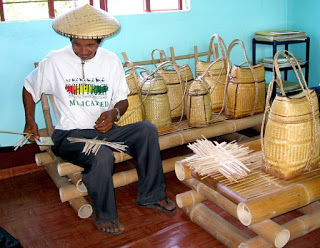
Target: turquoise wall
(23,43)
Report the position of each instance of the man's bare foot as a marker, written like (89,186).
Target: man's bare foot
(165,205)
(109,227)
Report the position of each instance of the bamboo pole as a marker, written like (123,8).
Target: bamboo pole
(276,203)
(297,227)
(80,205)
(268,230)
(43,158)
(303,224)
(76,180)
(182,171)
(216,129)
(214,224)
(188,198)
(119,179)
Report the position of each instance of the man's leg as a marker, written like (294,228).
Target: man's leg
(97,176)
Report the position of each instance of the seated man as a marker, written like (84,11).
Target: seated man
(90,93)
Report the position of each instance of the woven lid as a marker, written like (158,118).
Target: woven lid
(86,22)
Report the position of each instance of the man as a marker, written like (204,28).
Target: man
(90,93)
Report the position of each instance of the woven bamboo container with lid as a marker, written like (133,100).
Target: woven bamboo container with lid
(156,102)
(199,110)
(246,87)
(216,77)
(291,137)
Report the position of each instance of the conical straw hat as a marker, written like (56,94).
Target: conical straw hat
(86,22)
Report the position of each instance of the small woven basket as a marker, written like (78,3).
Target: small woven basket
(156,103)
(176,78)
(199,110)
(290,142)
(246,88)
(216,76)
(176,81)
(135,111)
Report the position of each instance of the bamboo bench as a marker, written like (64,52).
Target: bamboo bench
(254,201)
(67,176)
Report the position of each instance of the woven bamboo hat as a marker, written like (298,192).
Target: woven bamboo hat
(86,22)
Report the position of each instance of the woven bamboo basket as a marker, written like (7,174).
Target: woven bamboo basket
(135,110)
(246,87)
(176,78)
(291,139)
(176,81)
(199,110)
(156,103)
(216,76)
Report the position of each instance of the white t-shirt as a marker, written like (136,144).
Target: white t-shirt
(81,91)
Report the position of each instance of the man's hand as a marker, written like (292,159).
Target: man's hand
(105,121)
(32,127)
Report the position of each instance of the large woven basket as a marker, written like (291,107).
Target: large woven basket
(216,76)
(246,87)
(199,110)
(135,111)
(156,103)
(291,139)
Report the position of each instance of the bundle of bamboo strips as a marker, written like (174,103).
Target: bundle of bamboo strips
(229,159)
(93,145)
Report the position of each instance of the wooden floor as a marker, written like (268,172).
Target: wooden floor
(31,211)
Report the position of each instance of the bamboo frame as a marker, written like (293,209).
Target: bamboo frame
(268,230)
(273,204)
(69,192)
(80,205)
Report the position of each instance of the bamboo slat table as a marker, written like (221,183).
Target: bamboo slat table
(254,201)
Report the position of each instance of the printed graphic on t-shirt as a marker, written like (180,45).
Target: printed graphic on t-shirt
(89,92)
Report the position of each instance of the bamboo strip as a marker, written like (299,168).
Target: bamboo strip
(276,203)
(119,179)
(188,198)
(268,230)
(215,225)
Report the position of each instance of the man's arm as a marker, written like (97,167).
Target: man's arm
(29,109)
(106,119)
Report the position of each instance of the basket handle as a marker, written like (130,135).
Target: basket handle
(240,42)
(163,56)
(213,50)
